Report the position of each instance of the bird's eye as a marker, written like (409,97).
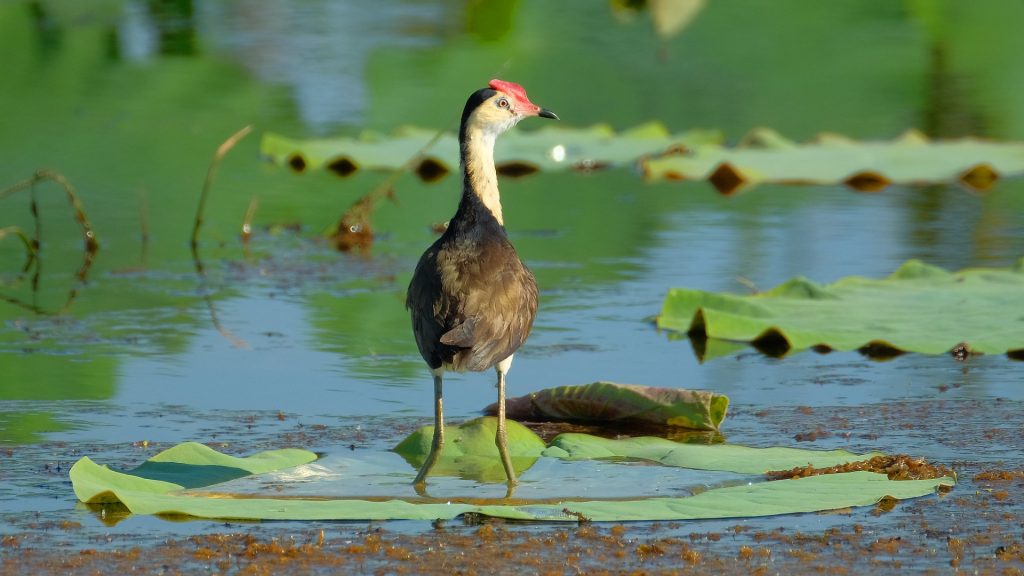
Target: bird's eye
(502,103)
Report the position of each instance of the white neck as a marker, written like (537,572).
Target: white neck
(478,168)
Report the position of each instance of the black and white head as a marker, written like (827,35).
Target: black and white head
(498,107)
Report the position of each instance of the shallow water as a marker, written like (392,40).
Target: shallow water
(130,108)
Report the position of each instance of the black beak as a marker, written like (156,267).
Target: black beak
(545,113)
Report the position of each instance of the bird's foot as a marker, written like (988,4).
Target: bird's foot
(510,489)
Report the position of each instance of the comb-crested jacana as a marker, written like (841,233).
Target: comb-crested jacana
(471,298)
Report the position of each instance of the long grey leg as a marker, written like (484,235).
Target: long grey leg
(438,443)
(501,438)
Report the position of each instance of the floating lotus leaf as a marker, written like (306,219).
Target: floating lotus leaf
(723,457)
(157,488)
(765,156)
(919,308)
(611,402)
(518,152)
(556,147)
(369,151)
(469,449)
(761,156)
(187,465)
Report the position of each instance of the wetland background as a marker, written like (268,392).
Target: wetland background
(129,100)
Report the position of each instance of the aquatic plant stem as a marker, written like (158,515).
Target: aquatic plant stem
(222,151)
(30,248)
(91,244)
(250,212)
(88,235)
(143,228)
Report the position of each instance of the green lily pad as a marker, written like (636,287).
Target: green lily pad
(550,148)
(762,156)
(864,166)
(919,308)
(827,492)
(369,151)
(469,450)
(612,402)
(191,467)
(722,457)
(187,465)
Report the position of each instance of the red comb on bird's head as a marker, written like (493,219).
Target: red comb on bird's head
(510,88)
(518,93)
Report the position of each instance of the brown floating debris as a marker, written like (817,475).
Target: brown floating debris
(999,476)
(727,179)
(889,546)
(961,352)
(354,230)
(818,433)
(895,467)
(353,236)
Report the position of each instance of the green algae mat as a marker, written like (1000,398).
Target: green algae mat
(183,481)
(919,308)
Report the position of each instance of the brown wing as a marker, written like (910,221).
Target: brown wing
(428,320)
(498,316)
(472,306)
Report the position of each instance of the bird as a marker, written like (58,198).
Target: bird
(471,299)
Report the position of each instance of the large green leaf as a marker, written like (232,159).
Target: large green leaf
(187,465)
(762,156)
(469,450)
(612,402)
(723,457)
(197,466)
(919,308)
(866,166)
(549,148)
